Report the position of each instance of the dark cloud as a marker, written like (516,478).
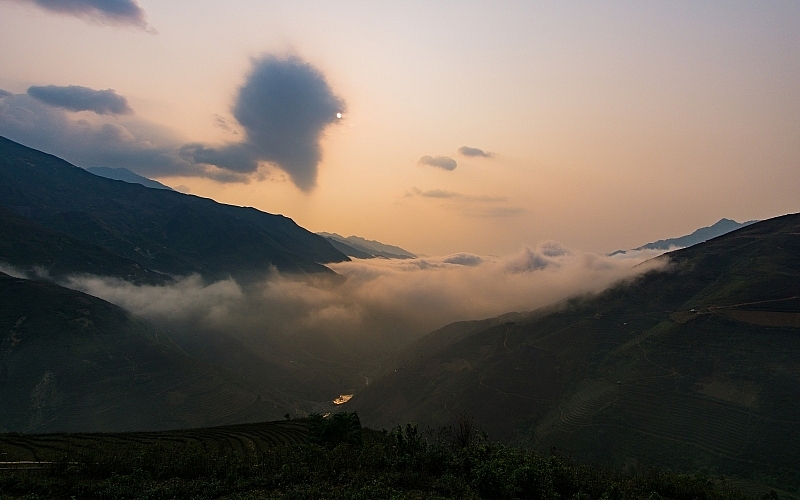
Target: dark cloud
(468,151)
(5,93)
(284,107)
(113,12)
(126,142)
(77,98)
(444,162)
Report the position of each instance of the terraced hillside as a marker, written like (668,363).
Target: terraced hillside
(693,367)
(70,362)
(244,439)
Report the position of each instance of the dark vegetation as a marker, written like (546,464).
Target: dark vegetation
(161,230)
(318,458)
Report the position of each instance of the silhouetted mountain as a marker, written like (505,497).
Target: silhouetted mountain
(73,362)
(723,226)
(693,366)
(161,230)
(125,175)
(368,247)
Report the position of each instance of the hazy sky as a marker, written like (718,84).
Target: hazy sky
(465,126)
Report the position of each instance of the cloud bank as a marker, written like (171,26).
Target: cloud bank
(76,98)
(109,12)
(443,162)
(284,106)
(380,303)
(468,151)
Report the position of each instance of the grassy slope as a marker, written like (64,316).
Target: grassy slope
(632,376)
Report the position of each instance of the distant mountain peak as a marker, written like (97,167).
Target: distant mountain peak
(722,226)
(125,175)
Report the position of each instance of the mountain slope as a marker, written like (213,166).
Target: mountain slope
(161,230)
(70,362)
(37,250)
(694,366)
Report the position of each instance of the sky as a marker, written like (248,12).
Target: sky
(441,127)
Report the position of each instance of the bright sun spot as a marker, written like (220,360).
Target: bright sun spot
(338,115)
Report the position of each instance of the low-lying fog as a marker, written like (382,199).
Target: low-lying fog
(380,298)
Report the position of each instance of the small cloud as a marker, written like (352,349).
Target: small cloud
(444,162)
(435,193)
(109,12)
(468,151)
(444,194)
(5,93)
(464,259)
(77,98)
(553,249)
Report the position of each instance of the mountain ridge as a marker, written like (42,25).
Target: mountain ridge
(161,230)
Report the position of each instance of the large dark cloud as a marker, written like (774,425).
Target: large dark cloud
(5,93)
(284,106)
(77,98)
(468,151)
(443,162)
(114,12)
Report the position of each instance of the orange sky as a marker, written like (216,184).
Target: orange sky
(611,124)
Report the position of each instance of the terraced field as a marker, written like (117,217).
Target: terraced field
(245,439)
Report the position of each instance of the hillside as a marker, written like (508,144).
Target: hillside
(161,230)
(70,362)
(37,250)
(695,366)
